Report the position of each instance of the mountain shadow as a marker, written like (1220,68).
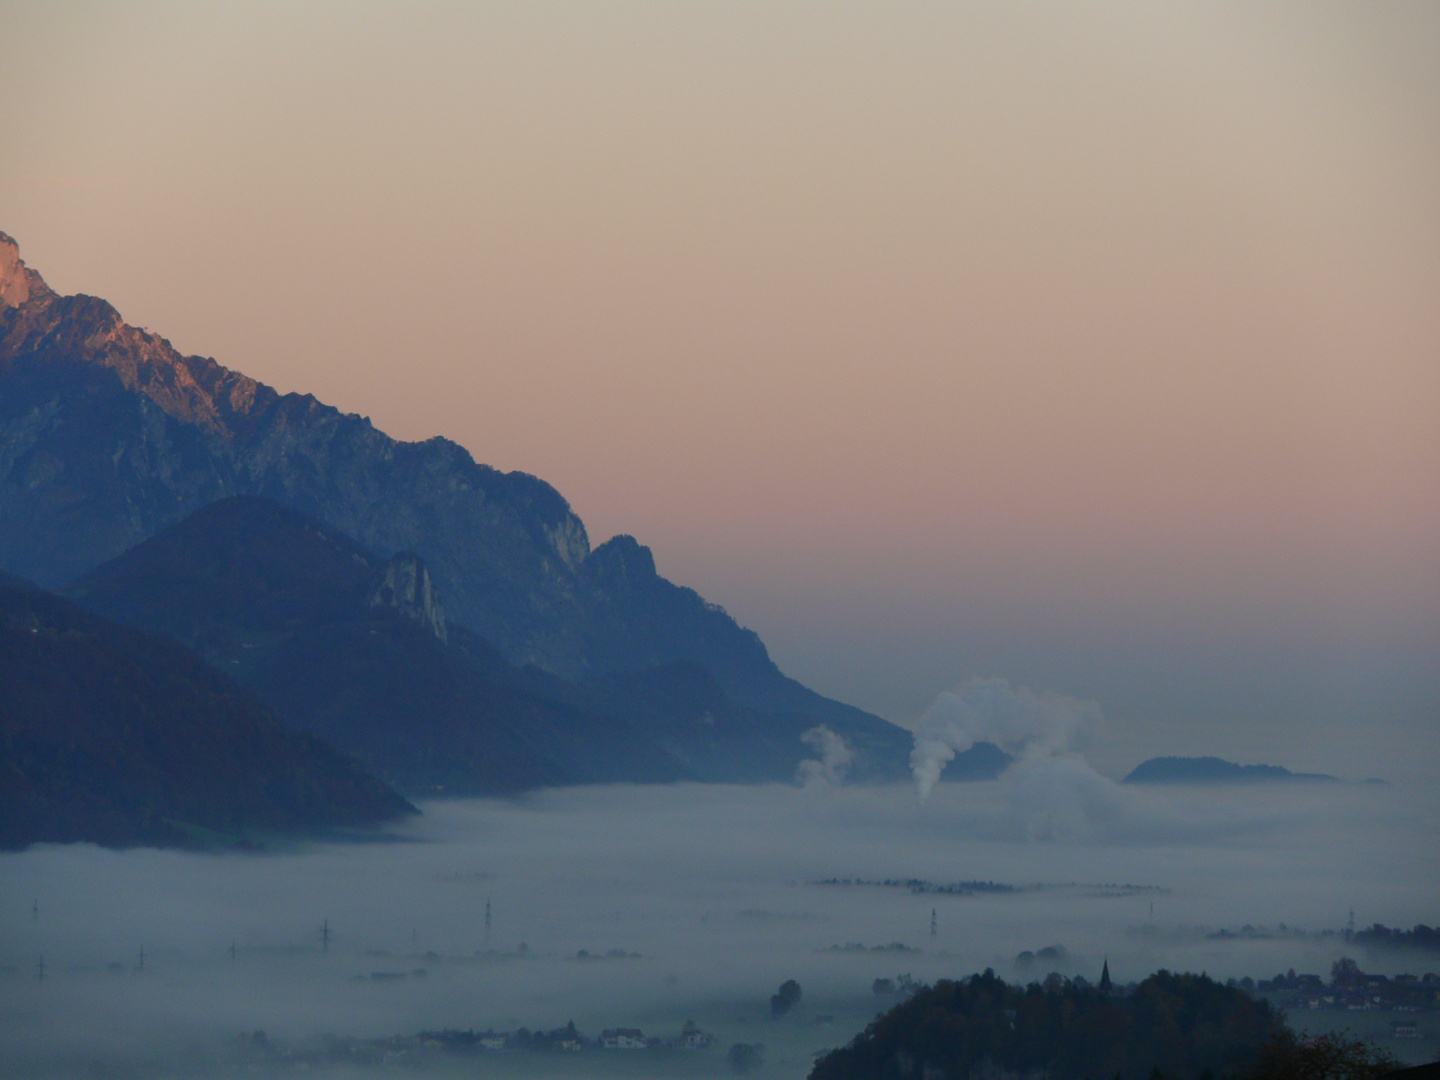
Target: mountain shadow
(118,737)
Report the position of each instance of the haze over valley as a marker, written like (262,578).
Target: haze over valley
(714,894)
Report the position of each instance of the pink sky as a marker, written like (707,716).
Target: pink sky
(1093,347)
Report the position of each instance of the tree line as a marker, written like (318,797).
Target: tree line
(1169,1027)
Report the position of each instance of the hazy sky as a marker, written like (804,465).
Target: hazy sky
(1093,347)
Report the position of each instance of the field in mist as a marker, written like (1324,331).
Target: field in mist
(719,890)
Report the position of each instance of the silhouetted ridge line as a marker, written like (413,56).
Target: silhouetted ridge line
(1213,770)
(112,436)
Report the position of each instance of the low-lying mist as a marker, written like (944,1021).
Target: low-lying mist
(723,892)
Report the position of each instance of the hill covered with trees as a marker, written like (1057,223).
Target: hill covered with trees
(117,737)
(1186,1026)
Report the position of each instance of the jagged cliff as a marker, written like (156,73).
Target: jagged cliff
(108,436)
(404,587)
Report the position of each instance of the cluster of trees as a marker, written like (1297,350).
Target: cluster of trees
(1421,937)
(1188,1027)
(1349,986)
(901,984)
(1332,1056)
(785,999)
(1286,981)
(556,1039)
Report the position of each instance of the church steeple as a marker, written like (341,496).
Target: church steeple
(1105,976)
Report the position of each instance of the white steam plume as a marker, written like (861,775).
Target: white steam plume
(834,759)
(1060,797)
(1019,721)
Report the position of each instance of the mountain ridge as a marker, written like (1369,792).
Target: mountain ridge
(355,648)
(108,436)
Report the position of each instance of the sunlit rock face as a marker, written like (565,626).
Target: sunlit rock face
(405,588)
(14,283)
(108,435)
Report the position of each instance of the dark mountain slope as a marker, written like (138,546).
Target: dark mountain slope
(296,611)
(116,737)
(1213,770)
(238,569)
(108,436)
(628,600)
(684,712)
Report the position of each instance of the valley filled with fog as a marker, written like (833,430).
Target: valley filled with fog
(647,906)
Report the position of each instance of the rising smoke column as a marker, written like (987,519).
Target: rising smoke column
(835,757)
(1019,721)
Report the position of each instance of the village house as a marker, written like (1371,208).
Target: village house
(623,1039)
(692,1038)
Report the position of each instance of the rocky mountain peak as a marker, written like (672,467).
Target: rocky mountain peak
(404,586)
(195,390)
(623,558)
(15,277)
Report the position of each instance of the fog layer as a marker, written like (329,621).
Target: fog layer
(723,892)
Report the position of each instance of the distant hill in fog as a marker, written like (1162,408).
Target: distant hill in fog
(117,737)
(110,436)
(1184,1027)
(1214,770)
(358,648)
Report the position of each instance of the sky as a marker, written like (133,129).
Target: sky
(1096,348)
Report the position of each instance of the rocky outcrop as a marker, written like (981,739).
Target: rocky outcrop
(404,587)
(14,278)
